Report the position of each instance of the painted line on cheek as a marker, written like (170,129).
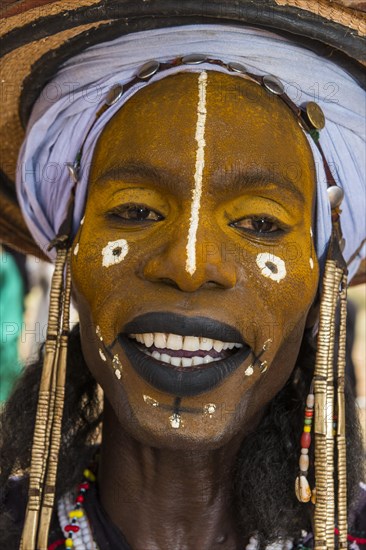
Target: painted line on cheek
(114,252)
(200,163)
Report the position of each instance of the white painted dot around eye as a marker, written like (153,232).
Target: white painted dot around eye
(102,356)
(311,262)
(82,220)
(311,232)
(76,249)
(271,266)
(114,252)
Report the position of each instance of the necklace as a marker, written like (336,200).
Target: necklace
(73,519)
(79,535)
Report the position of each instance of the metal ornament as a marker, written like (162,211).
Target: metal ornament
(175,421)
(148,70)
(273,84)
(315,115)
(194,59)
(267,344)
(249,371)
(114,94)
(98,332)
(335,196)
(263,367)
(209,409)
(237,67)
(117,365)
(150,401)
(72,171)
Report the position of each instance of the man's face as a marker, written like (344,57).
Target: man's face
(197,236)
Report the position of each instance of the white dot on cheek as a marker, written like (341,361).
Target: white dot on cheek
(114,252)
(271,266)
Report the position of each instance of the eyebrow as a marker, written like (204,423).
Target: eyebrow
(228,181)
(141,171)
(260,178)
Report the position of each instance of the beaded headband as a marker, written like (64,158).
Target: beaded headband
(310,117)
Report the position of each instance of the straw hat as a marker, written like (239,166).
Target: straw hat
(37,36)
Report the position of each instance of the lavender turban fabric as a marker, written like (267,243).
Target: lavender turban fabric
(67,106)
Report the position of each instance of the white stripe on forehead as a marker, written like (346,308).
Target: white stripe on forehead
(200,163)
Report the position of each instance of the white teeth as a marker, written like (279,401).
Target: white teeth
(174,341)
(206,344)
(148,339)
(159,340)
(175,361)
(218,345)
(178,342)
(191,343)
(182,361)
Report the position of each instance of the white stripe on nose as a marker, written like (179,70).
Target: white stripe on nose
(200,163)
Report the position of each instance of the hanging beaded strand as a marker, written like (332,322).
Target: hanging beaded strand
(302,487)
(77,513)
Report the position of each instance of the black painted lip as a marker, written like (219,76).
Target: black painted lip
(182,381)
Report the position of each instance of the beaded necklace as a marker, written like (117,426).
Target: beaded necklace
(79,535)
(73,519)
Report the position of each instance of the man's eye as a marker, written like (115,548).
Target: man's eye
(135,213)
(258,225)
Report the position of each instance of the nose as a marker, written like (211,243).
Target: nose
(213,268)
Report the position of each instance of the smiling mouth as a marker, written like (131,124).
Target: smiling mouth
(183,351)
(183,356)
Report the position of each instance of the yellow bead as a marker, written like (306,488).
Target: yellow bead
(69,543)
(89,475)
(307,429)
(76,514)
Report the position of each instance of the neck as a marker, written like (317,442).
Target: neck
(162,499)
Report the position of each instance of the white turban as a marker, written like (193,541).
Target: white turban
(66,110)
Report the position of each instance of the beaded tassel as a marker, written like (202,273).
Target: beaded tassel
(73,527)
(324,517)
(302,488)
(43,423)
(341,421)
(59,381)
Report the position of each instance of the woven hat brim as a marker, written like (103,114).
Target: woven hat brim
(35,41)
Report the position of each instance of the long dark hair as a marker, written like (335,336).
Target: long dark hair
(263,479)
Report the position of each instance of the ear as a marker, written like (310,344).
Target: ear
(313,314)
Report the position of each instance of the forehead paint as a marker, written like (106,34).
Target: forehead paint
(271,266)
(114,252)
(200,163)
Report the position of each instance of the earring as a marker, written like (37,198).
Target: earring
(302,487)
